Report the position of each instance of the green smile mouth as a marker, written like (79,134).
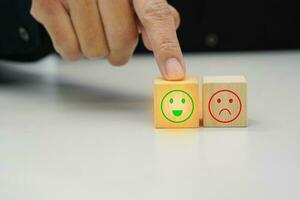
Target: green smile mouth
(177,113)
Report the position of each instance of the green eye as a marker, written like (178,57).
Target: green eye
(183,100)
(171,100)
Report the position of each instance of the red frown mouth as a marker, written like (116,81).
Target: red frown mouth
(225,109)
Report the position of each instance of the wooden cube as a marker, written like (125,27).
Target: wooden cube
(225,101)
(176,103)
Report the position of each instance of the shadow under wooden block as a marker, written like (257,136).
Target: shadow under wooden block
(176,103)
(225,101)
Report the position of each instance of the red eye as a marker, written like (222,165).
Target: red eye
(219,100)
(230,100)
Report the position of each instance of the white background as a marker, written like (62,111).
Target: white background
(85,131)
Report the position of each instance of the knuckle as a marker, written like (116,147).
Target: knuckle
(155,10)
(90,54)
(120,57)
(68,50)
(44,5)
(119,62)
(43,8)
(72,57)
(34,9)
(124,42)
(167,47)
(33,12)
(68,54)
(93,53)
(93,46)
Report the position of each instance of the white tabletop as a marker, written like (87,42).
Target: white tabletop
(85,131)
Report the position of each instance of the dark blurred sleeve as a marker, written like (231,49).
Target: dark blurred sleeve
(21,37)
(235,25)
(207,25)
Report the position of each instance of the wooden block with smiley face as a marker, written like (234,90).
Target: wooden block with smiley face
(176,103)
(225,101)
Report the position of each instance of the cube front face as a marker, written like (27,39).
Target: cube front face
(176,104)
(225,104)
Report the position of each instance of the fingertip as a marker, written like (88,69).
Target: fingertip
(174,70)
(178,78)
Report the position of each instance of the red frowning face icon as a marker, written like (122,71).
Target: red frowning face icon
(225,106)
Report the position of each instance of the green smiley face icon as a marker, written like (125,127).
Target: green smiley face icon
(177,106)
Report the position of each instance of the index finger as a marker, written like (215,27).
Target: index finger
(157,20)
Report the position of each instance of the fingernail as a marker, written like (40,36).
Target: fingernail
(174,69)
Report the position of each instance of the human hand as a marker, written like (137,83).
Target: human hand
(110,28)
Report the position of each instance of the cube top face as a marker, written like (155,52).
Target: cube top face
(225,101)
(176,103)
(189,80)
(224,79)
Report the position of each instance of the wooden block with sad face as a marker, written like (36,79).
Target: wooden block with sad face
(176,103)
(224,101)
